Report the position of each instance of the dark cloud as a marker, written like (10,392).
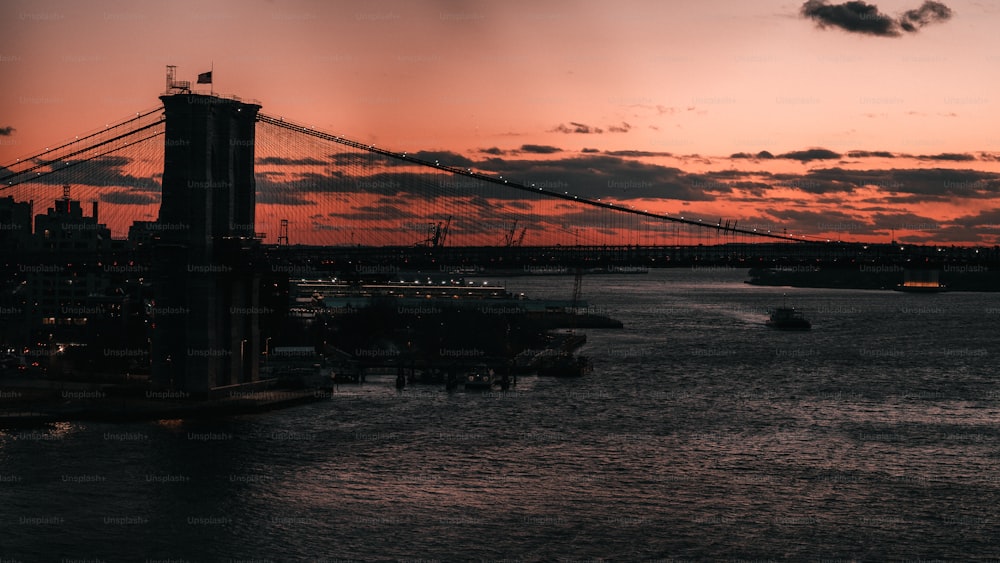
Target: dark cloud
(831,222)
(944,181)
(760,155)
(280,197)
(129,198)
(816,182)
(955,157)
(492,150)
(595,176)
(282,161)
(929,12)
(372,160)
(897,186)
(445,158)
(635,153)
(860,17)
(855,16)
(576,128)
(870,154)
(895,220)
(346,159)
(540,149)
(587,150)
(810,154)
(7,131)
(381,211)
(103,171)
(623,128)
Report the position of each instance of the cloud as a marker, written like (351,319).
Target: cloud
(870,154)
(540,149)
(7,131)
(856,16)
(576,128)
(929,12)
(584,129)
(760,155)
(282,161)
(382,210)
(493,150)
(102,171)
(446,158)
(955,157)
(634,153)
(594,176)
(128,198)
(898,186)
(810,154)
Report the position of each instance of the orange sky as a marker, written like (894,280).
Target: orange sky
(701,81)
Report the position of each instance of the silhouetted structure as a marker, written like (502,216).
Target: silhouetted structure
(208,274)
(66,276)
(15,224)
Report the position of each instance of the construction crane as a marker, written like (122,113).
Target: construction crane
(511,238)
(439,233)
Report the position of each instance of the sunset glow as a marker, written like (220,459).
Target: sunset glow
(759,113)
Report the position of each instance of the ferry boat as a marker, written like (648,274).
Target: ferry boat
(787,318)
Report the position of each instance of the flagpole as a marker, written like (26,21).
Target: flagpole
(212,82)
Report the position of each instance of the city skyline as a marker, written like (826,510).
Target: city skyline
(855,126)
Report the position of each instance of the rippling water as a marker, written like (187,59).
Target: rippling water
(700,434)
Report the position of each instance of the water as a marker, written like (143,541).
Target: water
(701,434)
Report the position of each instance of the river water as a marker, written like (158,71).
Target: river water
(701,434)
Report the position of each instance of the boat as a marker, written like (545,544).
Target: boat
(479,378)
(788,318)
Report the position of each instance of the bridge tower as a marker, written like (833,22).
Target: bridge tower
(208,272)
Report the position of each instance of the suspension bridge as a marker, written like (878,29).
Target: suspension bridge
(321,189)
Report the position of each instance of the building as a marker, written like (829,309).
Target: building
(64,274)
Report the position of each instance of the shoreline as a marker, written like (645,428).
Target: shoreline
(886,279)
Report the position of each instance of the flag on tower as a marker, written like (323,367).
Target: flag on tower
(205,78)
